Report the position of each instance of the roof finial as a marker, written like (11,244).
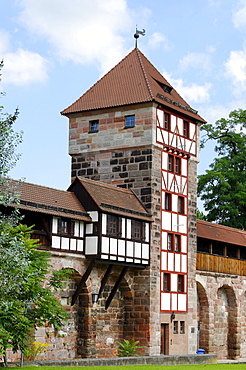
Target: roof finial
(136,35)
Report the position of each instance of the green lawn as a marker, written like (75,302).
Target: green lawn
(145,367)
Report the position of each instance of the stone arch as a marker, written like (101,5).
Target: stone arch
(203,318)
(226,324)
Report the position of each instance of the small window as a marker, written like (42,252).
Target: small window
(181,205)
(113,225)
(166,282)
(186,129)
(177,243)
(177,165)
(65,227)
(130,121)
(94,125)
(169,242)
(168,202)
(167,121)
(182,327)
(181,283)
(170,162)
(175,327)
(138,230)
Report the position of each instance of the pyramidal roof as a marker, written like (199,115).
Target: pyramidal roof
(133,80)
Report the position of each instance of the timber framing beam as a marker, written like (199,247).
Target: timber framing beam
(82,281)
(116,286)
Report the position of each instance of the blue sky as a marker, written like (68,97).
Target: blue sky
(54,50)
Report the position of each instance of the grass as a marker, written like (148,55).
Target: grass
(144,367)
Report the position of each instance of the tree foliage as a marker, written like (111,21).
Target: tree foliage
(27,284)
(223,187)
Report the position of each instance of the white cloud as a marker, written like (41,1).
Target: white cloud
(4,41)
(24,67)
(158,40)
(239,17)
(80,30)
(197,60)
(194,92)
(236,69)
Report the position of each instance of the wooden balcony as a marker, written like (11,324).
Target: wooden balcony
(209,262)
(42,237)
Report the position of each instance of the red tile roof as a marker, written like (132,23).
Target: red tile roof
(134,80)
(37,198)
(221,233)
(110,198)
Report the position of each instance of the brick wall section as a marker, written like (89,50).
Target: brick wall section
(192,247)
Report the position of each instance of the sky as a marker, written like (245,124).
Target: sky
(55,50)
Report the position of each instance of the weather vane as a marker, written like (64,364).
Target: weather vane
(136,35)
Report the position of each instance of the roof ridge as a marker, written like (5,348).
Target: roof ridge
(213,224)
(139,54)
(104,184)
(38,185)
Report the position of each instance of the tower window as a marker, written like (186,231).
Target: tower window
(167,121)
(94,125)
(170,162)
(177,165)
(138,230)
(65,227)
(175,327)
(166,282)
(181,205)
(177,243)
(181,283)
(168,202)
(182,327)
(169,242)
(186,129)
(130,121)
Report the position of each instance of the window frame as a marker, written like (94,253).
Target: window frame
(168,201)
(181,284)
(170,163)
(138,230)
(94,125)
(181,205)
(177,165)
(167,121)
(182,327)
(114,222)
(130,121)
(65,227)
(186,128)
(166,282)
(177,245)
(175,327)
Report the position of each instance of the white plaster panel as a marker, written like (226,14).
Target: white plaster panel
(173,122)
(112,257)
(138,250)
(166,220)
(122,247)
(182,220)
(164,160)
(145,251)
(159,136)
(165,301)
(123,228)
(174,304)
(129,249)
(175,222)
(184,166)
(184,263)
(104,223)
(129,259)
(80,245)
(91,245)
(64,243)
(104,256)
(54,225)
(76,228)
(174,203)
(182,302)
(183,243)
(160,115)
(164,261)
(105,244)
(56,242)
(192,129)
(177,262)
(73,245)
(121,258)
(82,229)
(164,240)
(94,216)
(136,260)
(128,228)
(113,246)
(170,262)
(193,148)
(165,135)
(180,125)
(174,282)
(147,232)
(144,262)
(89,228)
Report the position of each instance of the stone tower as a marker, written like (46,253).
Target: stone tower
(133,130)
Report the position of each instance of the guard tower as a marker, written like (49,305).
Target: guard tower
(132,129)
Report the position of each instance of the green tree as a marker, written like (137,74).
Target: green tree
(223,187)
(27,284)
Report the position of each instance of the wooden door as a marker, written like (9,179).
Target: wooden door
(165,339)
